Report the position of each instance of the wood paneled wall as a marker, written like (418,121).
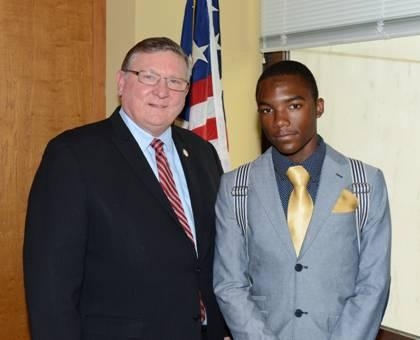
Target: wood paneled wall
(52,67)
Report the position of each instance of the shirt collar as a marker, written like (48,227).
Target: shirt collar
(312,164)
(144,138)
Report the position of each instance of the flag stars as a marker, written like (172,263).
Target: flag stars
(198,53)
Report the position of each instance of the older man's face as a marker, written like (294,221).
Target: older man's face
(153,107)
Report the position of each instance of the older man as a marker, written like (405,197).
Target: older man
(120,225)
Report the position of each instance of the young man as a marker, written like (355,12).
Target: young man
(296,270)
(119,236)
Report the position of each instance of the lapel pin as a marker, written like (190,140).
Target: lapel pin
(185,152)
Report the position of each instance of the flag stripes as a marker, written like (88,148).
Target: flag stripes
(204,109)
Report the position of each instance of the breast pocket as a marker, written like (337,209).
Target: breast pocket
(342,225)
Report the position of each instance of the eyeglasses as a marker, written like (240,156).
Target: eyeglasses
(151,79)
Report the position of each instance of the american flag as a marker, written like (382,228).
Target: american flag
(204,111)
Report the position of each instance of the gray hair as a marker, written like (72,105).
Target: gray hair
(156,44)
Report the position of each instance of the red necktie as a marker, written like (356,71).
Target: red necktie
(167,183)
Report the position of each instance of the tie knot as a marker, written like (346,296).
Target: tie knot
(298,175)
(157,144)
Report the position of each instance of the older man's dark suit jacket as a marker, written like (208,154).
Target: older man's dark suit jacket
(104,254)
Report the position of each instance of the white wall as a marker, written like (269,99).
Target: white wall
(372,112)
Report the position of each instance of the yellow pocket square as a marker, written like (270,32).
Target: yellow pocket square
(347,202)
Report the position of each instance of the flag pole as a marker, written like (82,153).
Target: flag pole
(194,6)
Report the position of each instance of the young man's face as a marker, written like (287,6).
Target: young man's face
(288,114)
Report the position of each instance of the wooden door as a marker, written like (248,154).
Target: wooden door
(52,69)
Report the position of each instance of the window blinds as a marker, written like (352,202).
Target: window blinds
(290,24)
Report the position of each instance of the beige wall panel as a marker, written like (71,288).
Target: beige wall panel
(241,60)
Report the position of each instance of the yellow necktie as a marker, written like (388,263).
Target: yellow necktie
(299,210)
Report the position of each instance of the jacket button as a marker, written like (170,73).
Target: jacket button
(196,318)
(298,313)
(298,267)
(197,269)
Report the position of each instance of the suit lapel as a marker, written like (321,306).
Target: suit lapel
(132,153)
(266,190)
(334,175)
(187,157)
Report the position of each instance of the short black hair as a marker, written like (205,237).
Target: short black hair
(290,67)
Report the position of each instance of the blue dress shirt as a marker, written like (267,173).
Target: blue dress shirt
(144,139)
(313,164)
